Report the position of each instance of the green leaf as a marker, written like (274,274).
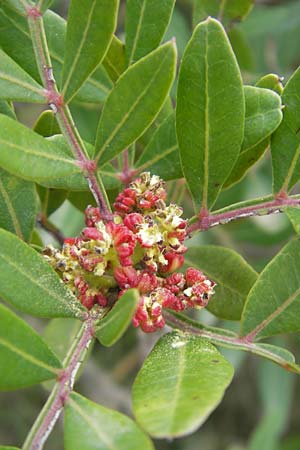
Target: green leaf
(294,216)
(76,181)
(25,359)
(5,447)
(90,28)
(181,382)
(145,26)
(273,304)
(135,101)
(262,117)
(29,283)
(114,60)
(93,427)
(271,81)
(44,5)
(16,84)
(227,11)
(210,112)
(46,124)
(7,109)
(16,42)
(18,205)
(110,329)
(246,160)
(60,335)
(28,155)
(233,275)
(228,339)
(242,50)
(285,143)
(161,155)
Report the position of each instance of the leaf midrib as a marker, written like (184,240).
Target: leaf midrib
(78,52)
(28,356)
(127,115)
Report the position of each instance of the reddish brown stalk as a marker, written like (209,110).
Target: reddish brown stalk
(64,118)
(211,220)
(60,394)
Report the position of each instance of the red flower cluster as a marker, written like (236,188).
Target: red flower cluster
(139,249)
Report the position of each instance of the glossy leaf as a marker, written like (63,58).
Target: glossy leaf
(94,427)
(110,329)
(29,283)
(25,358)
(285,144)
(228,339)
(16,84)
(18,205)
(161,155)
(271,81)
(181,382)
(135,101)
(262,117)
(233,275)
(246,160)
(46,124)
(227,11)
(28,155)
(114,60)
(294,216)
(210,112)
(145,26)
(90,28)
(16,42)
(273,304)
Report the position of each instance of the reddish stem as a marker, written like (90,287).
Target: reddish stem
(211,220)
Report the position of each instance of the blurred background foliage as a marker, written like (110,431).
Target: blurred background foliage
(261,408)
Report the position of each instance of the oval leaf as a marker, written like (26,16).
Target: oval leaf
(25,358)
(16,84)
(90,28)
(273,304)
(161,155)
(262,117)
(210,112)
(181,382)
(285,143)
(146,24)
(234,278)
(135,101)
(110,329)
(271,81)
(93,427)
(29,283)
(30,156)
(18,205)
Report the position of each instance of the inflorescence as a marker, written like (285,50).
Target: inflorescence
(140,248)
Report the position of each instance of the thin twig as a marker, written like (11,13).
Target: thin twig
(50,413)
(62,112)
(206,221)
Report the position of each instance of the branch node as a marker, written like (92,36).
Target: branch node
(88,165)
(55,100)
(33,12)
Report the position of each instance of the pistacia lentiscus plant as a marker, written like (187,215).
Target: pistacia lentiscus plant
(134,261)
